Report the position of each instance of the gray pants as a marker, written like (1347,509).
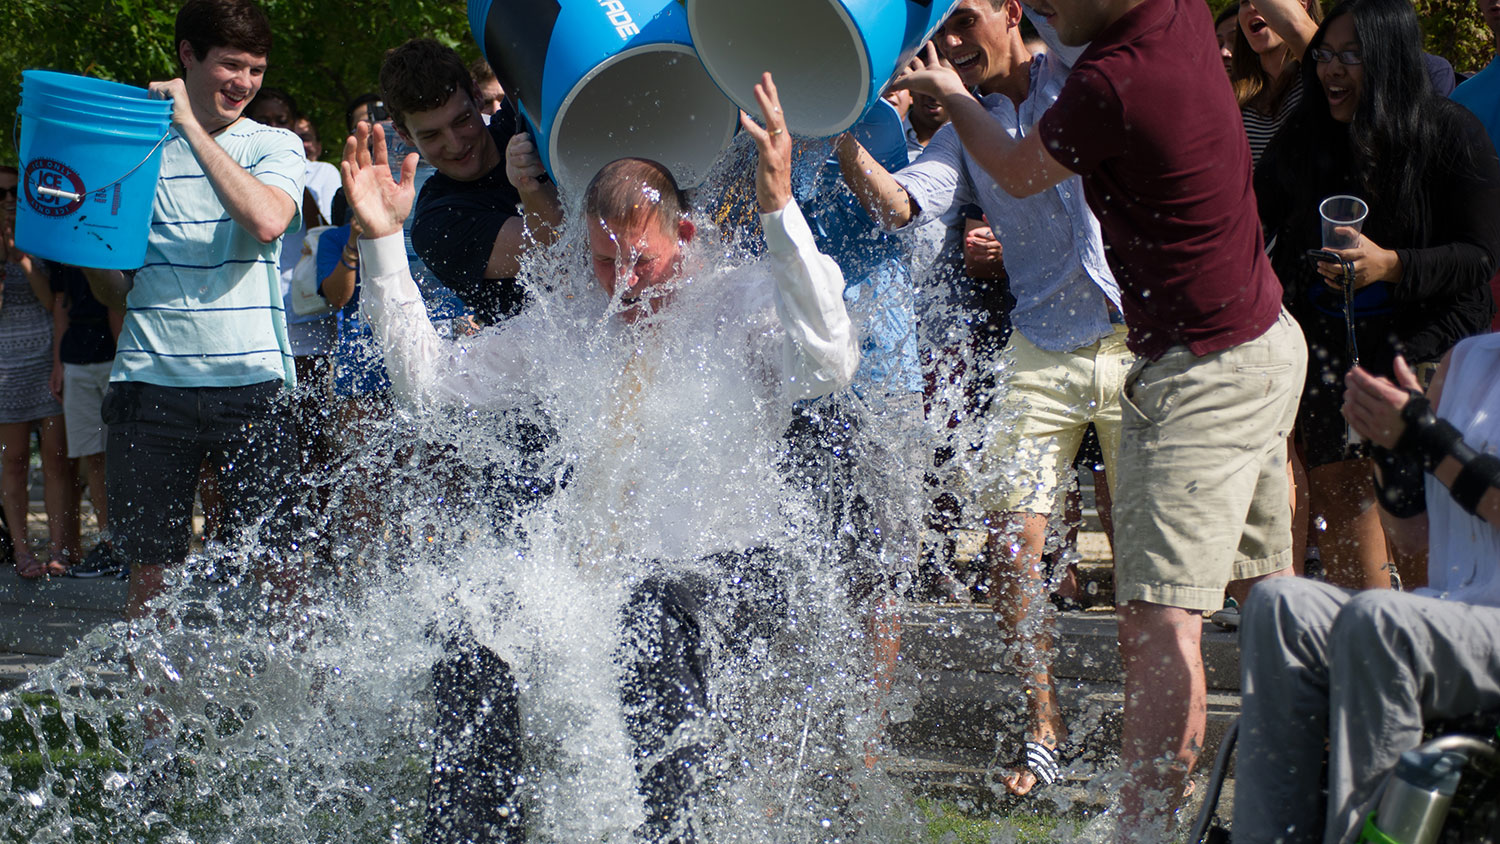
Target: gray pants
(1355,673)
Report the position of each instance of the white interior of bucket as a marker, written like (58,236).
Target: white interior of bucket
(811,47)
(654,102)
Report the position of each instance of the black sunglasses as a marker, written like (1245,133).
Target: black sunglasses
(13,190)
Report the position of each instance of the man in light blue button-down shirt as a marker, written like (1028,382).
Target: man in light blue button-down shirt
(1066,361)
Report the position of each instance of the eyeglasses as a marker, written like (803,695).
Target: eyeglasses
(12,191)
(1322,55)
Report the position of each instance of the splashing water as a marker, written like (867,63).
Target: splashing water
(226,717)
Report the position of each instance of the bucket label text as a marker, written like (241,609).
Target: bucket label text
(53,189)
(623,23)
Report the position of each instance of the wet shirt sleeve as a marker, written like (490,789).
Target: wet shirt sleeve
(820,354)
(935,181)
(486,370)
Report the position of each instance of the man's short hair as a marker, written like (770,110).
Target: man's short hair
(480,71)
(236,24)
(630,190)
(270,95)
(421,75)
(14,171)
(354,104)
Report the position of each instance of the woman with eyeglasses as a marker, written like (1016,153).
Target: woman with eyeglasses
(27,402)
(1370,126)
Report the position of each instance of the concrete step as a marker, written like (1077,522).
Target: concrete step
(977,713)
(973,785)
(961,698)
(966,638)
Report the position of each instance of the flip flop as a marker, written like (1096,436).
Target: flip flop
(1042,762)
(56,567)
(29,567)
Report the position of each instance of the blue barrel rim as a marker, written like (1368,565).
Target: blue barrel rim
(861,46)
(138,108)
(560,112)
(105,117)
(119,129)
(109,87)
(117,104)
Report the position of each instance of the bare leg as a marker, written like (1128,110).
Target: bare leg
(884,625)
(1411,563)
(1166,711)
(1015,547)
(15,461)
(145,585)
(1353,547)
(60,492)
(1104,505)
(1165,714)
(1301,514)
(93,470)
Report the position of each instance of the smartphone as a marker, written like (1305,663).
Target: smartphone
(1324,255)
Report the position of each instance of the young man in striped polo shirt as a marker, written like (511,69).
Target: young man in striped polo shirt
(203,355)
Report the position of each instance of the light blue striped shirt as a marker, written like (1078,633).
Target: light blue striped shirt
(1054,250)
(205,309)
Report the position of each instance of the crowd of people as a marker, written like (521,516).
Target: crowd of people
(1262,391)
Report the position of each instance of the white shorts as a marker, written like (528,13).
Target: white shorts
(83,393)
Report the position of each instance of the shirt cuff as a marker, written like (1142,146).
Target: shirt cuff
(786,230)
(383,255)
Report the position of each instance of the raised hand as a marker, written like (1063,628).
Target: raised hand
(523,163)
(378,203)
(773,169)
(929,74)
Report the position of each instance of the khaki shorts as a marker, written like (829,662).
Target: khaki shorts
(1047,400)
(83,394)
(1202,496)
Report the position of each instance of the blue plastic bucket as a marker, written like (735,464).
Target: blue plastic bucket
(831,58)
(599,80)
(89,164)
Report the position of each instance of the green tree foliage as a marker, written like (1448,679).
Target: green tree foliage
(326,52)
(1453,28)
(1456,32)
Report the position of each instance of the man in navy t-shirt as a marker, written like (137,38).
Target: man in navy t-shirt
(1148,124)
(466,227)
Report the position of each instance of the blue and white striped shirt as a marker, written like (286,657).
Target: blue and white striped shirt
(206,308)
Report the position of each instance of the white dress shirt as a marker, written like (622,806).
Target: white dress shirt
(672,426)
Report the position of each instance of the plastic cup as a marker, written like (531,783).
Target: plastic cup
(1342,212)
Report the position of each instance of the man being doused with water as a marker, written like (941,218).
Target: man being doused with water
(672,388)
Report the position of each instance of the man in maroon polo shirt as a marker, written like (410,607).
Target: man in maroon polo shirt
(1147,121)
